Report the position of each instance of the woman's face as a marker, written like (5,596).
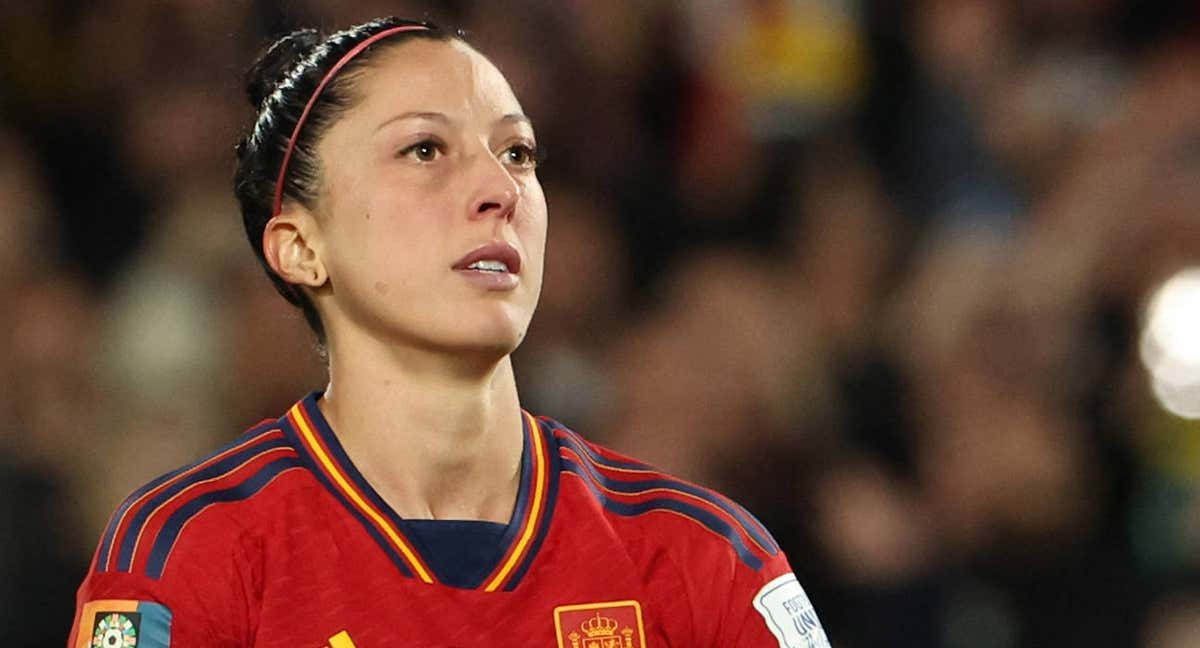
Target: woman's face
(432,223)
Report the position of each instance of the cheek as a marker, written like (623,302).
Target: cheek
(532,228)
(382,249)
(533,217)
(407,223)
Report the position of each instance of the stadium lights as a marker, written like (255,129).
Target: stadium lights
(1170,343)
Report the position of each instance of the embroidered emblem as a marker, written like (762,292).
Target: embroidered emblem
(116,623)
(116,629)
(615,624)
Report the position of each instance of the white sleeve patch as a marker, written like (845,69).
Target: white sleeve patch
(789,614)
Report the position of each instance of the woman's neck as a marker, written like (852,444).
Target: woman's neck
(434,440)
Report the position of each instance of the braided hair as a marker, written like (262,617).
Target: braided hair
(279,85)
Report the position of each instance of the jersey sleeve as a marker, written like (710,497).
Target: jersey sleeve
(202,597)
(768,608)
(750,600)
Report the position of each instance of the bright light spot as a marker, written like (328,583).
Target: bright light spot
(1170,343)
(1180,400)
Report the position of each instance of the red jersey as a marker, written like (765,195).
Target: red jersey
(276,540)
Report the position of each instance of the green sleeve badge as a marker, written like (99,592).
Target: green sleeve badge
(125,624)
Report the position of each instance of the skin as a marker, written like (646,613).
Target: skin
(432,162)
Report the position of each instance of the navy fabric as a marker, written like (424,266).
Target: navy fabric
(461,553)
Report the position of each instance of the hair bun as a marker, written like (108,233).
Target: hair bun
(273,66)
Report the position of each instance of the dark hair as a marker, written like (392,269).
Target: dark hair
(279,85)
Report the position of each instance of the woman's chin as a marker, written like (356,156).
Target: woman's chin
(485,342)
(498,344)
(500,332)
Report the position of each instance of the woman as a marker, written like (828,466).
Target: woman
(389,188)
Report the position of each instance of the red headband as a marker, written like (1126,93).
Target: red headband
(277,206)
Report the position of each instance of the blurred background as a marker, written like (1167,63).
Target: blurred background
(916,281)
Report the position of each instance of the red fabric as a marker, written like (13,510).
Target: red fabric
(290,566)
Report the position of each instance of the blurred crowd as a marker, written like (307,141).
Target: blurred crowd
(875,269)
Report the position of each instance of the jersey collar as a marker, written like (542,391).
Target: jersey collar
(325,456)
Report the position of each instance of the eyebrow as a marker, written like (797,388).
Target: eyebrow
(433,116)
(515,118)
(439,117)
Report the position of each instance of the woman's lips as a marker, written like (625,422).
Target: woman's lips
(492,252)
(494,266)
(489,280)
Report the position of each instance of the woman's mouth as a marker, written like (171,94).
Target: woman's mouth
(494,266)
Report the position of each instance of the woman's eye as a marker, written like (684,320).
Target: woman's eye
(521,155)
(425,151)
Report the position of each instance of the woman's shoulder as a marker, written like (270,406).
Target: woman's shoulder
(148,525)
(647,501)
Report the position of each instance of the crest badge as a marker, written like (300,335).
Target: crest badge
(615,624)
(124,624)
(116,629)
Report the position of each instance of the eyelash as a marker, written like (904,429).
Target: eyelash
(533,154)
(429,143)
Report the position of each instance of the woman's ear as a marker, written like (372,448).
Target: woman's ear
(291,244)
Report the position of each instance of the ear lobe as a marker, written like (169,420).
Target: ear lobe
(289,245)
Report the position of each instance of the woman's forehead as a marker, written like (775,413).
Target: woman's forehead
(448,77)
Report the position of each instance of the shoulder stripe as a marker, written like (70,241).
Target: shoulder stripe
(658,481)
(107,540)
(171,530)
(697,514)
(612,463)
(190,491)
(139,513)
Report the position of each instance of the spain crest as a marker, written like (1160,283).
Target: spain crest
(615,624)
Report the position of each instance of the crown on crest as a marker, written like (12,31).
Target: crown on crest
(599,626)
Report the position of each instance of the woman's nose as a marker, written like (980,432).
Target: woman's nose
(497,191)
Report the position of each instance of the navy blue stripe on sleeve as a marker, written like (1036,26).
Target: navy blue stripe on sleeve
(698,514)
(658,480)
(170,531)
(216,470)
(106,540)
